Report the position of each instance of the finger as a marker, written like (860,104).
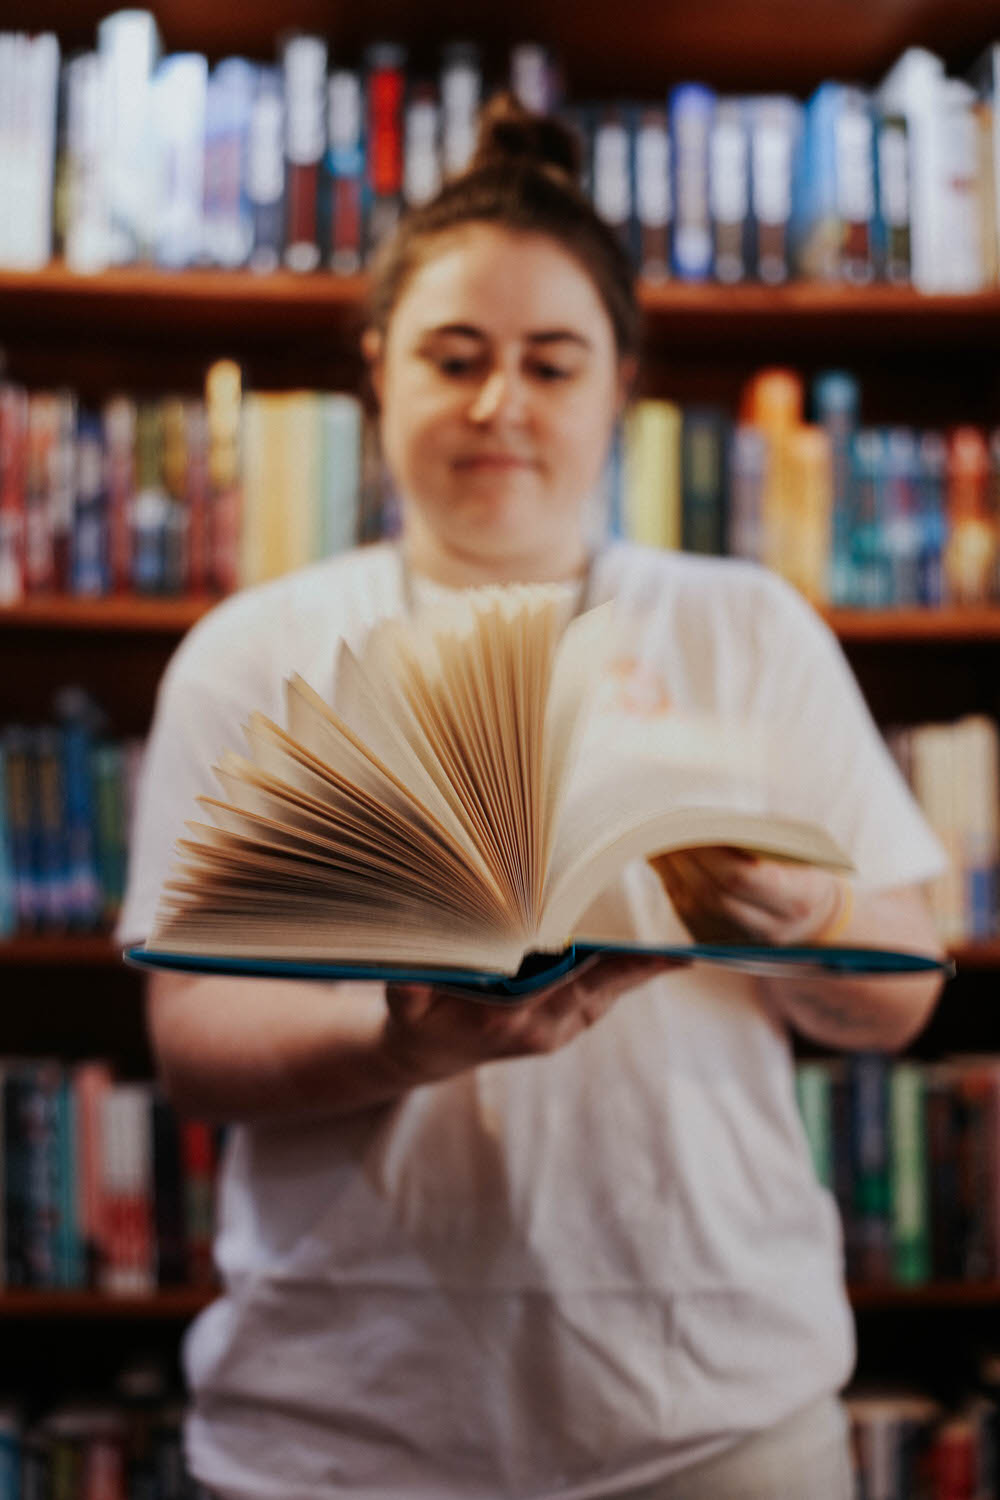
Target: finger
(409,1003)
(759,884)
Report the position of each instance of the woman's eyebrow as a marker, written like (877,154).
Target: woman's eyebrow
(559,336)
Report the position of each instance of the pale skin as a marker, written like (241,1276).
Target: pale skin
(499,384)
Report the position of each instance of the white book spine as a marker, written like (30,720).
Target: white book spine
(128,40)
(29,168)
(178,96)
(87,247)
(341,430)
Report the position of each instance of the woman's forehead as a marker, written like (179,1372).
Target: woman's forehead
(499,282)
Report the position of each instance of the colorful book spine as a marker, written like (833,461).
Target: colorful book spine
(653,192)
(266,171)
(909,1209)
(304,60)
(729,192)
(342,183)
(692,109)
(385,85)
(129,43)
(704,433)
(892,223)
(13,456)
(775,125)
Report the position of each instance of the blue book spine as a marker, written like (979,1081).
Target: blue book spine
(84,900)
(691,108)
(51,848)
(904,530)
(868,1082)
(815,215)
(836,400)
(870,586)
(89,562)
(933,486)
(8,903)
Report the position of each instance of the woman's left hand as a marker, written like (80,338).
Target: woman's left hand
(729,895)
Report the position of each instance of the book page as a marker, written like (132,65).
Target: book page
(648,784)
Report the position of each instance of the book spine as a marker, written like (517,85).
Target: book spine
(88,548)
(31,91)
(342,421)
(729,192)
(128,1189)
(534,78)
(611,172)
(385,87)
(855,158)
(421,146)
(39,551)
(177,111)
(814,1093)
(17,779)
(119,420)
(168,1197)
(774,133)
(8,891)
(703,470)
(51,845)
(460,90)
(266,171)
(970,556)
(227,219)
(87,244)
(129,43)
(83,898)
(692,109)
(893,211)
(343,174)
(304,61)
(911,1245)
(198,1156)
(91,1082)
(223,414)
(940,1108)
(62,487)
(869,1138)
(13,456)
(653,198)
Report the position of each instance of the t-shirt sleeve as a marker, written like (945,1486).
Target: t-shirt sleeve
(194,722)
(830,764)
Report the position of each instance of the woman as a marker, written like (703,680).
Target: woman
(475,1253)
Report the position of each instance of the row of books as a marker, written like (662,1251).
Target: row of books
(103,1185)
(911,1152)
(953,770)
(124,154)
(908,1446)
(125,1444)
(66,796)
(854,516)
(179,495)
(184,495)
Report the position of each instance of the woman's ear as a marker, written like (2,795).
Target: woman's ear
(628,370)
(371,350)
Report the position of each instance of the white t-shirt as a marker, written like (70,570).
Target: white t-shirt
(549,1277)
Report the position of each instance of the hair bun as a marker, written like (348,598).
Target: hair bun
(509,134)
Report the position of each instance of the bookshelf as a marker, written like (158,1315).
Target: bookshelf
(921,359)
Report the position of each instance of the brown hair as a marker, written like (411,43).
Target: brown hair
(523,177)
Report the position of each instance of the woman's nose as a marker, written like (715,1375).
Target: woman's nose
(499,395)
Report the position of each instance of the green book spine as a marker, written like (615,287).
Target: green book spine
(813,1090)
(908,1187)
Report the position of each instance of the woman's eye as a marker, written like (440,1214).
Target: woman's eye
(454,365)
(552,372)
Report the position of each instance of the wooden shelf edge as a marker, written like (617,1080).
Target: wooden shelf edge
(173,616)
(931,1294)
(55,950)
(126,612)
(170,1303)
(203,300)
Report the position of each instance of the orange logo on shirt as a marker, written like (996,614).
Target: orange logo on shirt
(637,688)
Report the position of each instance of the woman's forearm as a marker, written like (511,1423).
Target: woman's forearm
(882,1013)
(243,1049)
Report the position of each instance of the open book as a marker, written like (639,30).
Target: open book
(477,785)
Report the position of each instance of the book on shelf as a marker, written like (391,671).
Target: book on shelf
(476,787)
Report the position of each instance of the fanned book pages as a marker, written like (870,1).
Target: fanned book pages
(480,781)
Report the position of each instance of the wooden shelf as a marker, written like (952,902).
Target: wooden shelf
(60,950)
(171,1303)
(939,1294)
(164,616)
(134,613)
(246,309)
(56,950)
(182,1303)
(604,49)
(960,623)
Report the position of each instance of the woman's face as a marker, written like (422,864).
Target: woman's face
(499,384)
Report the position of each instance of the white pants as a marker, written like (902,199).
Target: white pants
(805,1457)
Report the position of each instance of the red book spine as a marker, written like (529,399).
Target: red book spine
(13,447)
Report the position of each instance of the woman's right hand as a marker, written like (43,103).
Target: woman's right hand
(432,1033)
